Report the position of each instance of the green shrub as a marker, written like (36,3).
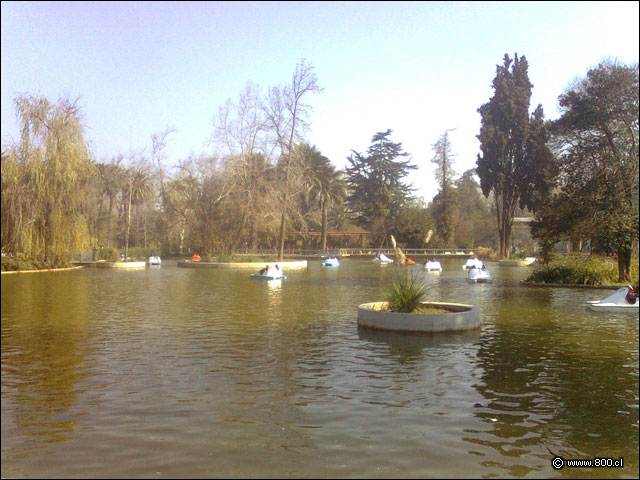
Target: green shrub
(545,250)
(108,254)
(576,270)
(486,253)
(19,263)
(140,254)
(406,292)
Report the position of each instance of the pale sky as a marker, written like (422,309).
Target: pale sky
(418,68)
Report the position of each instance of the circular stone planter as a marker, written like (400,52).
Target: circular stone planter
(457,318)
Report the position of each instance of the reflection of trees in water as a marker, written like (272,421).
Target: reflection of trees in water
(550,383)
(261,334)
(44,347)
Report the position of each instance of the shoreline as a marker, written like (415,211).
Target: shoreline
(43,270)
(571,285)
(242,265)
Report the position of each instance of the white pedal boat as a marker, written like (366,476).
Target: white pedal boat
(382,258)
(477,275)
(331,262)
(434,267)
(154,260)
(616,302)
(472,262)
(257,276)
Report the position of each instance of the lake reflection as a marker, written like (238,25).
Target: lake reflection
(172,372)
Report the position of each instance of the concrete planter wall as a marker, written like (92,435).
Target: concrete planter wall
(121,265)
(244,265)
(459,317)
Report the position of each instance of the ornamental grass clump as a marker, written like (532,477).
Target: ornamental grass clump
(406,293)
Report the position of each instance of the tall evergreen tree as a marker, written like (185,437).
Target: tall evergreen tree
(474,223)
(445,201)
(374,180)
(515,161)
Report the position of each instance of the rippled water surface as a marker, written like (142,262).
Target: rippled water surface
(200,373)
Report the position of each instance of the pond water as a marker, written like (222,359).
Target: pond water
(170,372)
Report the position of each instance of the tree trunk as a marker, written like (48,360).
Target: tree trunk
(126,245)
(500,224)
(624,264)
(110,241)
(283,219)
(507,238)
(181,238)
(254,237)
(237,235)
(324,224)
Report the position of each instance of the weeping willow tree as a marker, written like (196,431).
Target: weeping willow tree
(46,182)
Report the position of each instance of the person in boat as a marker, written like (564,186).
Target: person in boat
(264,271)
(632,294)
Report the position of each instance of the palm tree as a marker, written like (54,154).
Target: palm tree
(112,177)
(333,192)
(325,182)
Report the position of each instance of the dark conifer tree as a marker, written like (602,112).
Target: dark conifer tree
(515,162)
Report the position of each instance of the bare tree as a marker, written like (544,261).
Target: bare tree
(158,155)
(287,115)
(242,130)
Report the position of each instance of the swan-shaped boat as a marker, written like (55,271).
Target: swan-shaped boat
(478,275)
(472,262)
(154,260)
(257,276)
(617,302)
(270,273)
(382,258)
(331,262)
(433,266)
